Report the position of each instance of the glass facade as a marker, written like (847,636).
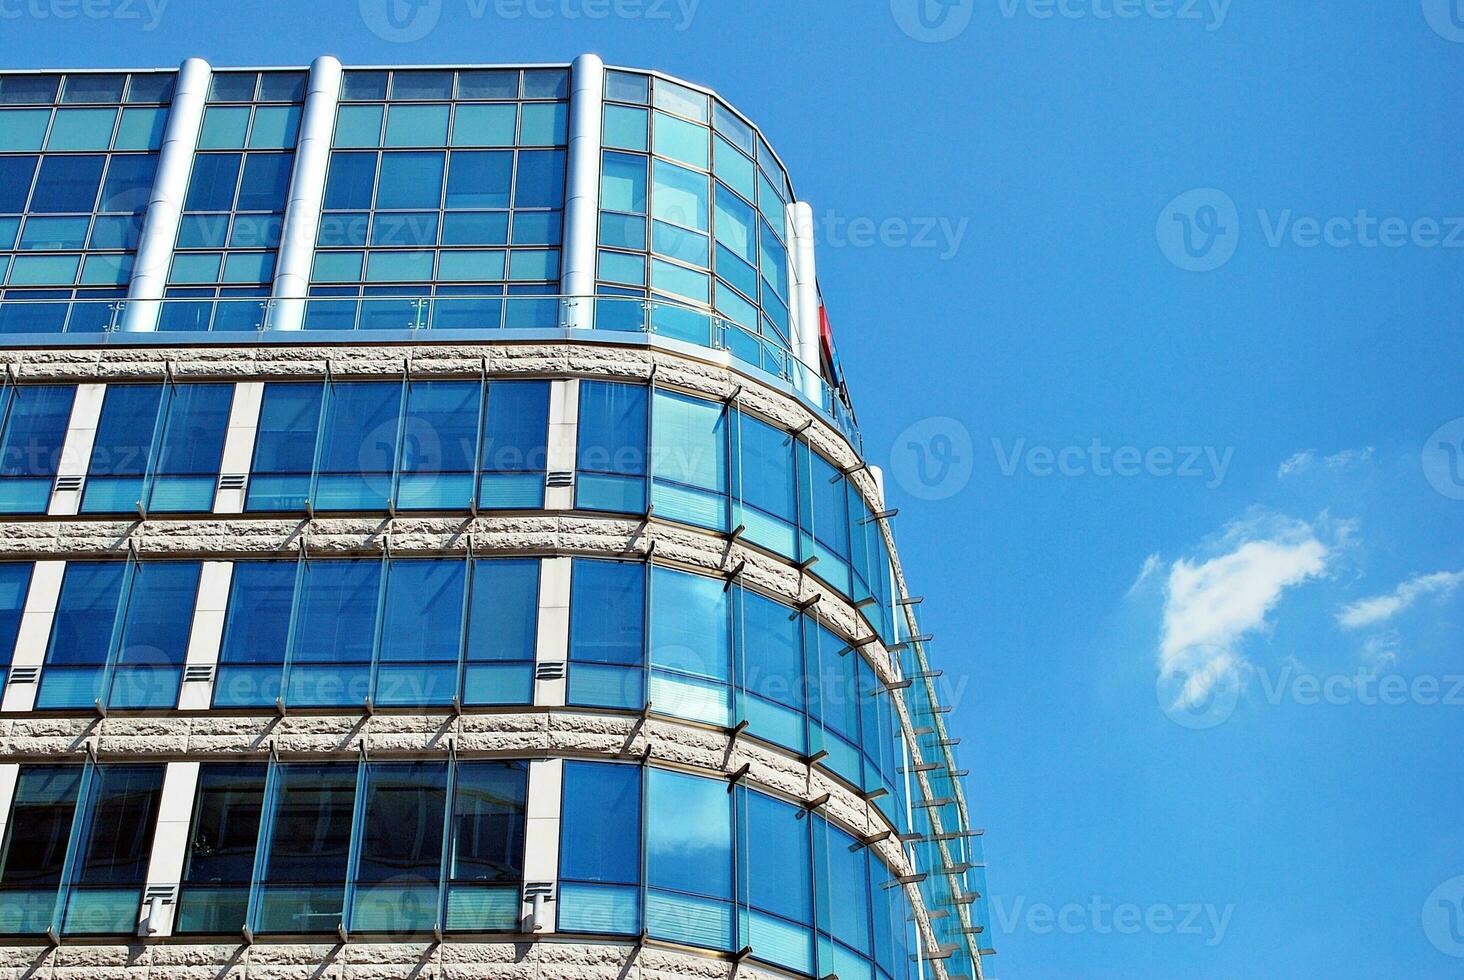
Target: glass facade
(78,156)
(369,531)
(445,193)
(407,444)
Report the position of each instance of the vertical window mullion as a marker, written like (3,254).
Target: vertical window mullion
(475,500)
(262,843)
(160,429)
(119,627)
(464,624)
(383,580)
(353,858)
(301,569)
(448,844)
(79,820)
(401,441)
(327,389)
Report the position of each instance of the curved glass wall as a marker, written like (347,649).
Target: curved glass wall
(691,860)
(693,207)
(720,468)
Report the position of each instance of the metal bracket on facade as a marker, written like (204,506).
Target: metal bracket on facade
(742,954)
(903,685)
(817,803)
(913,600)
(808,604)
(884,515)
(874,794)
(738,776)
(808,563)
(879,838)
(735,574)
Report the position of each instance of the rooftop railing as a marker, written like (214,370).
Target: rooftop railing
(411,316)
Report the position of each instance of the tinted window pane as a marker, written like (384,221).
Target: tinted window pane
(480,180)
(607,612)
(410,180)
(689,834)
(600,838)
(67,184)
(488,821)
(215,177)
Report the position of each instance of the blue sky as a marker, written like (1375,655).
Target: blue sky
(1186,535)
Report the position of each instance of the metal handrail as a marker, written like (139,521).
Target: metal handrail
(113,318)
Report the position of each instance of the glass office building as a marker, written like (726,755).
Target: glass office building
(437,540)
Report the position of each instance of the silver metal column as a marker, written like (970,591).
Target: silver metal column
(806,342)
(307,193)
(582,204)
(165,204)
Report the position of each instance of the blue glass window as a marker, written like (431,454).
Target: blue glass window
(502,632)
(37,835)
(765,487)
(689,457)
(335,627)
(256,633)
(776,885)
(689,860)
(34,430)
(421,632)
(68,185)
(844,924)
(515,446)
(691,646)
(111,849)
(358,445)
(599,849)
(284,449)
(485,866)
(607,634)
(219,865)
(120,635)
(77,847)
(158,447)
(399,860)
(451,449)
(307,849)
(612,447)
(15,580)
(771,671)
(824,517)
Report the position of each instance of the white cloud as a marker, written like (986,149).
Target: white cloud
(1151,565)
(1213,605)
(1380,608)
(1304,461)
(1299,463)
